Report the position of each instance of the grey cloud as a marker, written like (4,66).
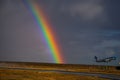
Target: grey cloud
(109,43)
(88,10)
(107,47)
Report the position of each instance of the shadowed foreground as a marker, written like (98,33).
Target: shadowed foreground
(34,75)
(31,71)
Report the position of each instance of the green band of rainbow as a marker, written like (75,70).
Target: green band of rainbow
(46,30)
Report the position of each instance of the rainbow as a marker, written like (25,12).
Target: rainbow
(46,30)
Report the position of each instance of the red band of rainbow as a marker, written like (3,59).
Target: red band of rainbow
(46,29)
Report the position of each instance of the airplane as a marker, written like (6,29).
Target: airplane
(109,59)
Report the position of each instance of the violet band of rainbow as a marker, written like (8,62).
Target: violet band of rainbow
(46,29)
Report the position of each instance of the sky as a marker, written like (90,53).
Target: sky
(84,28)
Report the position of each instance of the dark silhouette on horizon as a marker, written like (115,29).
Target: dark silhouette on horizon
(109,59)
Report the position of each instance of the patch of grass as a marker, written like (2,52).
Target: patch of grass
(34,75)
(9,74)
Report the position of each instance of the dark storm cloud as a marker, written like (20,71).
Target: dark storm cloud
(113,11)
(20,39)
(81,29)
(2,3)
(85,28)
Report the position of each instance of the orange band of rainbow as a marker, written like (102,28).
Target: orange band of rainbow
(46,29)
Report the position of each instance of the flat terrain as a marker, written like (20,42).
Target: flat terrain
(47,71)
(34,75)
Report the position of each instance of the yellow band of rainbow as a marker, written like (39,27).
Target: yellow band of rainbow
(46,29)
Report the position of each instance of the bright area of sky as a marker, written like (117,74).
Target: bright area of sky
(85,28)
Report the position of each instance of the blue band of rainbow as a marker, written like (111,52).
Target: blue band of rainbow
(46,29)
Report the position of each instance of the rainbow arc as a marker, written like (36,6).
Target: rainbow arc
(46,30)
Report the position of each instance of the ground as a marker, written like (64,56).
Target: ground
(17,71)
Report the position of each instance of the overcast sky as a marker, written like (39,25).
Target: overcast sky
(85,28)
